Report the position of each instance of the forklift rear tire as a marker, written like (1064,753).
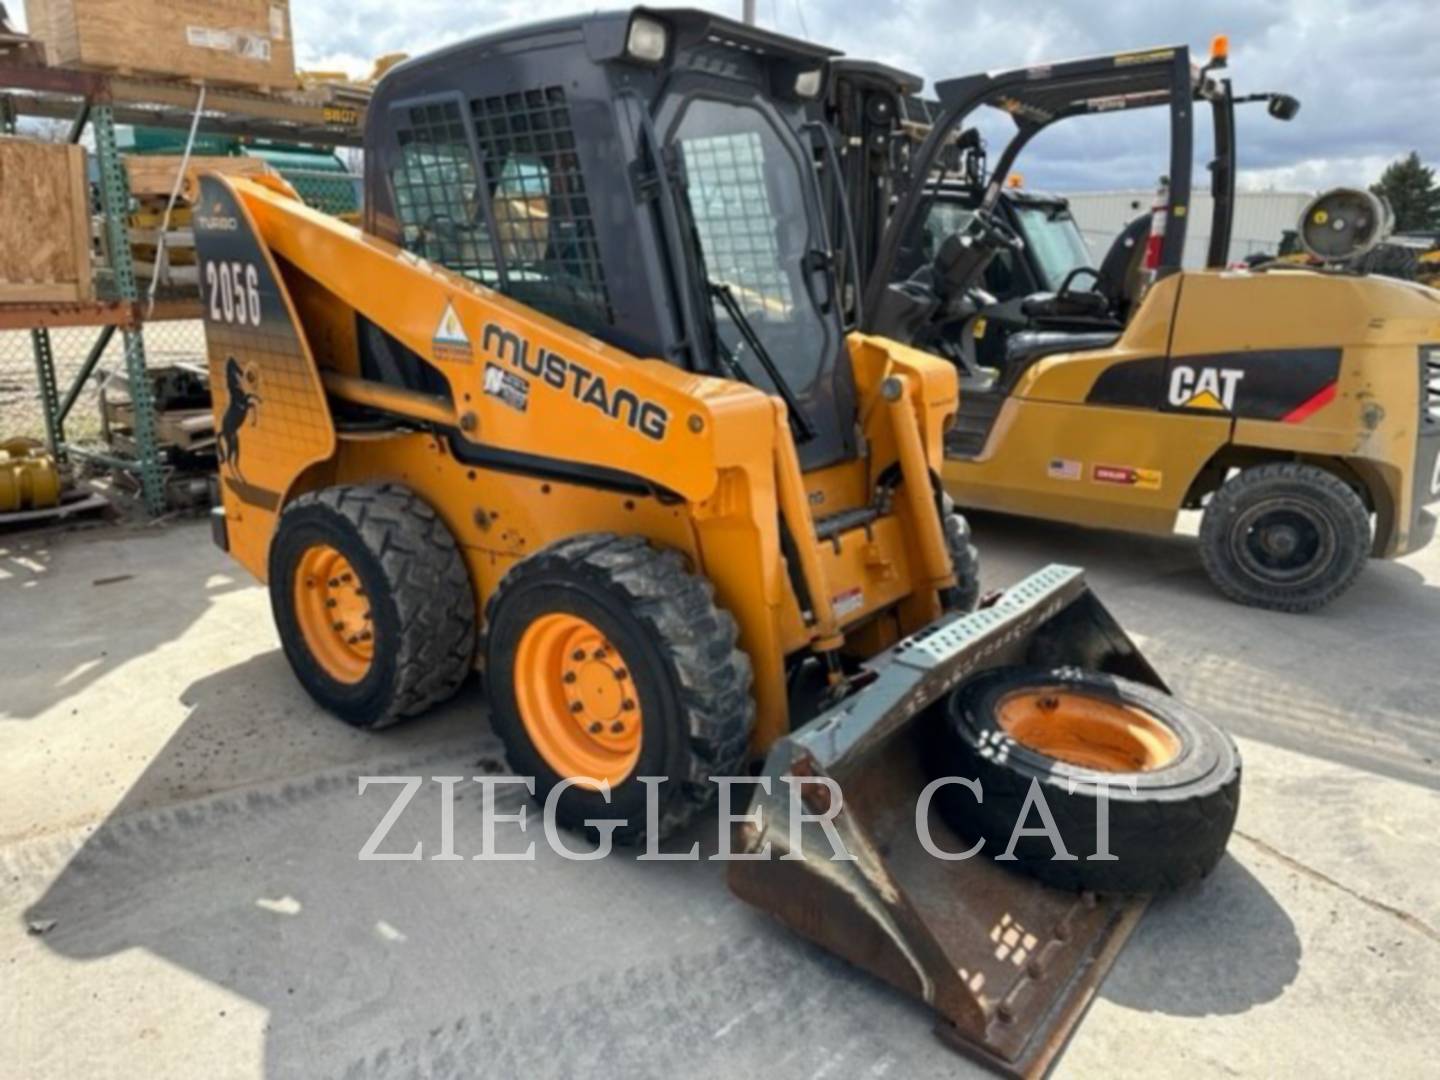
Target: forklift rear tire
(372,601)
(1285,536)
(606,659)
(1064,732)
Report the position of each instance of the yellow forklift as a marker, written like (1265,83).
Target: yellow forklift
(1298,407)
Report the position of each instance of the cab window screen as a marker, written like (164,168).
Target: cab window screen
(437,191)
(541,211)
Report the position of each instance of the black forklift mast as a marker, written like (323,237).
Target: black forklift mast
(1037,97)
(866,107)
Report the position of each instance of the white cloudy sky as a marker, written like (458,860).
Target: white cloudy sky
(1365,70)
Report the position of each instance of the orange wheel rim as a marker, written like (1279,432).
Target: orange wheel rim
(334,613)
(1087,731)
(577,699)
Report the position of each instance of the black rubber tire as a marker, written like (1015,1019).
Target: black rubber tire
(680,648)
(1340,517)
(1171,832)
(964,556)
(421,599)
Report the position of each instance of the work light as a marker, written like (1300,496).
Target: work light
(807,83)
(647,40)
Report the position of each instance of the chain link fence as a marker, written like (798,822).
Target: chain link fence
(22,409)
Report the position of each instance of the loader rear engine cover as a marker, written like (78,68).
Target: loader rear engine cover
(580,407)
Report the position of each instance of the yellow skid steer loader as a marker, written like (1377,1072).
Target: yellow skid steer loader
(578,407)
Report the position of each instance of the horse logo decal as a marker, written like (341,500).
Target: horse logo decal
(243,404)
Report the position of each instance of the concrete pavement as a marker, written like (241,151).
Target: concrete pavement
(180,894)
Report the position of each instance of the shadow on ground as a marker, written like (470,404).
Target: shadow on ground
(140,598)
(1248,953)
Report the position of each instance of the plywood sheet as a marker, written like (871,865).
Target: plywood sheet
(45,224)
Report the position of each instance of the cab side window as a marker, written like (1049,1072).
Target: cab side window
(437,191)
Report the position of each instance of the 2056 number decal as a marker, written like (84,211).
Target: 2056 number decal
(234,292)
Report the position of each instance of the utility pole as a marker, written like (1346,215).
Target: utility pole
(749,12)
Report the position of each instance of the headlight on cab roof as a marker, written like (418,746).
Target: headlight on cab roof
(807,83)
(647,40)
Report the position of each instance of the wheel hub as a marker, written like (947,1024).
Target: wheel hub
(577,699)
(334,613)
(1088,731)
(1283,541)
(1280,540)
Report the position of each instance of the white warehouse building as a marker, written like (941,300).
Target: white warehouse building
(1261,217)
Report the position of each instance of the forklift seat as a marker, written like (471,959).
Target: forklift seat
(1026,348)
(1078,304)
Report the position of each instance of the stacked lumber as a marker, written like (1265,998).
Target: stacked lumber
(343,99)
(45,254)
(152,178)
(227,42)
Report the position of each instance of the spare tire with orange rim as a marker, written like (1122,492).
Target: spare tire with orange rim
(1075,737)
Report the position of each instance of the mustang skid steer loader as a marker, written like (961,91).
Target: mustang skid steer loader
(582,383)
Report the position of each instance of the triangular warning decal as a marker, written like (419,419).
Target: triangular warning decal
(450,331)
(1205,400)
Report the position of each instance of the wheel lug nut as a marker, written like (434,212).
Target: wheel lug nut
(569,676)
(347,578)
(334,583)
(339,626)
(595,728)
(578,655)
(332,602)
(617,727)
(628,705)
(599,654)
(621,673)
(576,707)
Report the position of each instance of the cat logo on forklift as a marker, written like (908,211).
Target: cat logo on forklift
(1207,388)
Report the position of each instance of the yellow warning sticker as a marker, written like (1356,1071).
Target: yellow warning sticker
(451,342)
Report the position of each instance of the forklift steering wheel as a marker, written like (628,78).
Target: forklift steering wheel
(1079,271)
(994,232)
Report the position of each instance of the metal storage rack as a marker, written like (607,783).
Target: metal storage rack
(100,102)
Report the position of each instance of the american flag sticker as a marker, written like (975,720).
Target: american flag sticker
(1064,469)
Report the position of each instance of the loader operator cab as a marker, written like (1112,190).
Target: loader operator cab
(672,152)
(946,297)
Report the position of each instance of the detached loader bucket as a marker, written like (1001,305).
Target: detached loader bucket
(1007,963)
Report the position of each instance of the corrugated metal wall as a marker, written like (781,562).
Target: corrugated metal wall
(1260,219)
